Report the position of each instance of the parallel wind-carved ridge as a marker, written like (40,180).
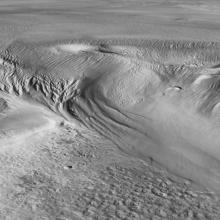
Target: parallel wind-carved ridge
(204,51)
(151,98)
(17,81)
(55,72)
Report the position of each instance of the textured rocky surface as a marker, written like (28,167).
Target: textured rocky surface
(89,167)
(70,176)
(109,110)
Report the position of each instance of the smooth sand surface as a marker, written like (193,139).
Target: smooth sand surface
(20,120)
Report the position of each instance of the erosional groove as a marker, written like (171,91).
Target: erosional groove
(142,95)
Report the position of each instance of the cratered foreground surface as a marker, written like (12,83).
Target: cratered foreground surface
(109,110)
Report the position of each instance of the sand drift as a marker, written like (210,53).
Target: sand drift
(152,99)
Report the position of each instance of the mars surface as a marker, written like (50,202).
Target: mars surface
(109,110)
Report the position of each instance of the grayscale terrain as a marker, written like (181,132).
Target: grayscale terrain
(109,109)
